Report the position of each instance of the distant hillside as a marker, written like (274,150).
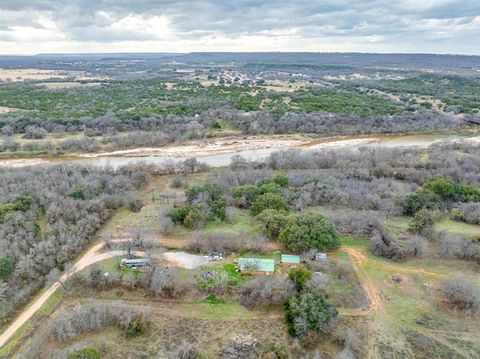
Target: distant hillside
(329,59)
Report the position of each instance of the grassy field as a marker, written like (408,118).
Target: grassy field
(461,228)
(410,320)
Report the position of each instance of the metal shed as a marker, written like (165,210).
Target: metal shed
(292,260)
(257,265)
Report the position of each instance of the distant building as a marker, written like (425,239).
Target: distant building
(290,260)
(258,266)
(135,262)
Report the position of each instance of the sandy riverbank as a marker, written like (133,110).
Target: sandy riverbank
(208,148)
(246,146)
(343,143)
(23,162)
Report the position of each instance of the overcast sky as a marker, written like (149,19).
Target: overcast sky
(434,26)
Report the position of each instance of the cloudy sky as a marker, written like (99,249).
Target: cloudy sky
(435,26)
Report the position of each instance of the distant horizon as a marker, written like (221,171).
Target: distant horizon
(234,52)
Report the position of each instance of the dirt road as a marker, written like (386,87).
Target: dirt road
(361,260)
(90,257)
(93,255)
(375,301)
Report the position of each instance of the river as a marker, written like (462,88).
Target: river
(217,156)
(223,159)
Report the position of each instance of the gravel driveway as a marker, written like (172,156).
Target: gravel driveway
(185,260)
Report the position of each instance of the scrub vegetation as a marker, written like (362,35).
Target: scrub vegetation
(384,243)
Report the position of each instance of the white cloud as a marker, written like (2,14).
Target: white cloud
(451,26)
(155,27)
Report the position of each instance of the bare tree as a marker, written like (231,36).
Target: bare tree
(461,293)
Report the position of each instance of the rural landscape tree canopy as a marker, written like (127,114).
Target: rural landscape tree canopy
(244,185)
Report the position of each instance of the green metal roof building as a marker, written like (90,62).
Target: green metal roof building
(256,264)
(290,259)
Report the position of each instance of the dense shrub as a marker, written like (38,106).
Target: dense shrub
(34,132)
(422,223)
(197,216)
(206,192)
(214,282)
(269,201)
(308,312)
(246,195)
(360,223)
(6,267)
(271,222)
(134,202)
(299,276)
(281,179)
(422,200)
(438,190)
(85,353)
(40,194)
(178,214)
(443,187)
(205,203)
(309,231)
(418,245)
(270,187)
(449,190)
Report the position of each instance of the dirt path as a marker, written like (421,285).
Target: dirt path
(95,255)
(92,256)
(360,260)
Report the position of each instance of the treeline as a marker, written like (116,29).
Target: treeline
(362,189)
(108,124)
(174,127)
(267,202)
(49,215)
(328,124)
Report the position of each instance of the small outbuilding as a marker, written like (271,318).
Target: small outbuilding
(321,257)
(257,266)
(290,260)
(135,262)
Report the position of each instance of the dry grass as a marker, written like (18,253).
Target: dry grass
(208,326)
